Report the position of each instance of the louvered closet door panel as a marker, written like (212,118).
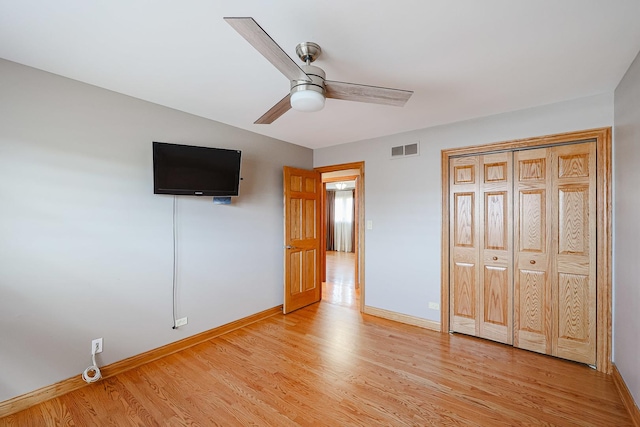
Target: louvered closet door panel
(574,287)
(496,237)
(464,256)
(532,246)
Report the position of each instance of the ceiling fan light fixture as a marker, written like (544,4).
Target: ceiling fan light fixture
(307,100)
(308,96)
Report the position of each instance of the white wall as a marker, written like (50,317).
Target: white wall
(403,196)
(626,270)
(86,247)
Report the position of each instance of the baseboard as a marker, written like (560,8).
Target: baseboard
(402,318)
(626,396)
(43,394)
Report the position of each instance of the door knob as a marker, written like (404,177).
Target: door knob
(495,258)
(532,262)
(290,247)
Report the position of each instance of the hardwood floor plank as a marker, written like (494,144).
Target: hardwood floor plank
(30,417)
(56,413)
(146,385)
(262,381)
(340,287)
(328,364)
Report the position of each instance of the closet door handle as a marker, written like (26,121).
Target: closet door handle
(495,258)
(290,247)
(532,261)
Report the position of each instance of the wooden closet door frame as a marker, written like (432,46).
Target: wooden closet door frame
(602,137)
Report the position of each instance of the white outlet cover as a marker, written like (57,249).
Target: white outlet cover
(98,342)
(182,321)
(434,306)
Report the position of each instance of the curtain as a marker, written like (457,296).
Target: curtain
(343,217)
(353,220)
(331,208)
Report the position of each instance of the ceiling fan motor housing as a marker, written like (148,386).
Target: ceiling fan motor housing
(317,77)
(308,96)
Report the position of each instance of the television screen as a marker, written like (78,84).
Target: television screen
(195,171)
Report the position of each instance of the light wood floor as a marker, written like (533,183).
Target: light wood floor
(340,285)
(330,365)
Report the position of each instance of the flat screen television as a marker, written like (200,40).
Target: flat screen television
(195,171)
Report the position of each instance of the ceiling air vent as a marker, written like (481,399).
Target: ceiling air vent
(405,150)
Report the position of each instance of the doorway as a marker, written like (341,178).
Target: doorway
(339,284)
(342,234)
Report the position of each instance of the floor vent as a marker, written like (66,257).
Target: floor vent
(405,150)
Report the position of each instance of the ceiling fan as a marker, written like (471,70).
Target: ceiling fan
(308,85)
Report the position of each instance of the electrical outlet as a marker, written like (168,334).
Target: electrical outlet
(182,321)
(434,306)
(96,346)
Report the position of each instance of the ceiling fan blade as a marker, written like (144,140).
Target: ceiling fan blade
(276,111)
(363,93)
(263,43)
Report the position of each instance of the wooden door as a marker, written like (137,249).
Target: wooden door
(555,263)
(496,236)
(561,244)
(302,233)
(464,268)
(532,214)
(481,253)
(574,287)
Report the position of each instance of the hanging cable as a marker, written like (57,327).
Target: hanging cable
(175,261)
(92,373)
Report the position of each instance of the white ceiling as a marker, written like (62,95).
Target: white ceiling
(462,58)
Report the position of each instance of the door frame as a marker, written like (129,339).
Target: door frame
(602,137)
(359,232)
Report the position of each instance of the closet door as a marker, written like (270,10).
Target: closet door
(481,252)
(496,263)
(555,260)
(533,240)
(464,255)
(574,212)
